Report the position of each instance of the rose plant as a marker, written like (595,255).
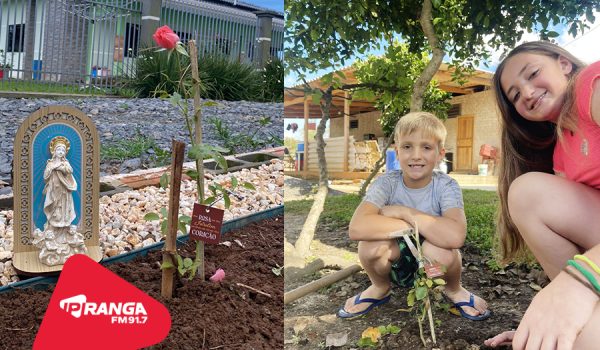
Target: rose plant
(168,40)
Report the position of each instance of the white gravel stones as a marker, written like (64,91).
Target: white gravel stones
(122,224)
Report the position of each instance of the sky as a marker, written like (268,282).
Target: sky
(276,5)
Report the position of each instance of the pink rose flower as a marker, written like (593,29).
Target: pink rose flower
(166,38)
(218,276)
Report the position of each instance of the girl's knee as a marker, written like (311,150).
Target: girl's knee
(526,189)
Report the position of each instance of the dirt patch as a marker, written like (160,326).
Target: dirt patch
(204,315)
(310,319)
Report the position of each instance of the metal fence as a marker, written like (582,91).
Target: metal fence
(89,45)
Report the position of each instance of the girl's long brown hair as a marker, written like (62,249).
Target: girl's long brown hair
(527,146)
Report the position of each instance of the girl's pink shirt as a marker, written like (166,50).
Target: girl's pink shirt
(578,157)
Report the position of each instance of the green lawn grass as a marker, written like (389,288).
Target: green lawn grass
(480,209)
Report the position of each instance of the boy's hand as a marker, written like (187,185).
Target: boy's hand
(399,212)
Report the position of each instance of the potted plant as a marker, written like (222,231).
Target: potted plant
(3,65)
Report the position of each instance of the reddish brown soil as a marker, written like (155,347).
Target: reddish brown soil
(204,315)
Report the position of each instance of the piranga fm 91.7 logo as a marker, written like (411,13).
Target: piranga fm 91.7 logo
(119,313)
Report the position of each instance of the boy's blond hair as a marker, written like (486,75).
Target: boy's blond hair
(425,122)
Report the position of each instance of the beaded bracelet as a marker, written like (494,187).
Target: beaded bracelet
(589,262)
(581,280)
(590,277)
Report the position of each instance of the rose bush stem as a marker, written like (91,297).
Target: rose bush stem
(198,140)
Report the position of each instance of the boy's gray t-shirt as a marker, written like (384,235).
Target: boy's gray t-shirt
(441,194)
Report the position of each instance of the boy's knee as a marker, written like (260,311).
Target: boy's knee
(444,256)
(374,250)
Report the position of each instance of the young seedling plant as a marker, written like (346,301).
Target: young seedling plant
(427,286)
(186,267)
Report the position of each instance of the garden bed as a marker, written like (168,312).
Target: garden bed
(122,225)
(310,320)
(204,315)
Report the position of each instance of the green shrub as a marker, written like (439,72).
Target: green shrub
(157,75)
(272,81)
(229,80)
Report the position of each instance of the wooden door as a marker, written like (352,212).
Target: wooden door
(464,143)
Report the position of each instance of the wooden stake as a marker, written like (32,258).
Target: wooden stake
(170,250)
(320,283)
(193,51)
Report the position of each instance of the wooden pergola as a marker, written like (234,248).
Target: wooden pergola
(297,105)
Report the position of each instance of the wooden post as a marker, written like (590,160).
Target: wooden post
(346,128)
(197,141)
(320,283)
(170,250)
(306,112)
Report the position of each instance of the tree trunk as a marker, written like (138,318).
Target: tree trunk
(307,234)
(416,100)
(380,162)
(325,114)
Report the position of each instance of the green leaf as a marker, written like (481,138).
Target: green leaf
(366,343)
(552,34)
(196,153)
(234,182)
(341,74)
(210,104)
(166,265)
(151,217)
(192,173)
(174,99)
(391,329)
(185,219)
(182,227)
(163,227)
(164,180)
(439,281)
(220,160)
(179,260)
(226,200)
(249,186)
(421,293)
(316,97)
(410,299)
(187,262)
(164,212)
(429,283)
(181,49)
(209,200)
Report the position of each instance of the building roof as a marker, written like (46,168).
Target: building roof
(245,6)
(294,97)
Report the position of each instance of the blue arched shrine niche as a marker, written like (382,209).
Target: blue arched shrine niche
(40,154)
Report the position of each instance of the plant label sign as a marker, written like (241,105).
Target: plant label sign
(433,270)
(206,224)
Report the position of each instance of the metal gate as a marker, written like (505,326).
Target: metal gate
(88,46)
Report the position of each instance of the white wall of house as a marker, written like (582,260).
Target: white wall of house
(486,128)
(481,105)
(368,123)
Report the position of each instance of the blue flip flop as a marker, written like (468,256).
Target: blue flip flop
(374,303)
(471,303)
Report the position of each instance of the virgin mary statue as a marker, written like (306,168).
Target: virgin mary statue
(60,238)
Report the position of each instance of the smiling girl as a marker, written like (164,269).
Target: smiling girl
(550,106)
